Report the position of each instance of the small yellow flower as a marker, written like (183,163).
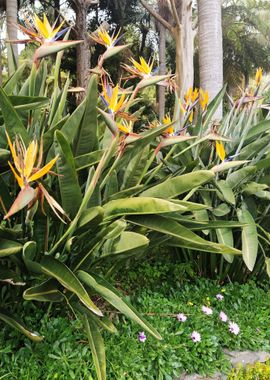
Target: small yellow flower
(191,116)
(189,303)
(41,31)
(112,98)
(191,96)
(24,161)
(124,126)
(220,150)
(188,95)
(102,37)
(26,172)
(167,120)
(258,76)
(154,124)
(195,95)
(141,69)
(203,98)
(45,29)
(223,290)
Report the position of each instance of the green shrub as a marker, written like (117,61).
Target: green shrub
(257,371)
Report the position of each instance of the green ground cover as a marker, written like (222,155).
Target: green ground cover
(161,290)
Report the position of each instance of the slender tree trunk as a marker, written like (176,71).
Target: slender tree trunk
(180,27)
(162,70)
(210,48)
(1,65)
(188,45)
(12,11)
(83,51)
(184,41)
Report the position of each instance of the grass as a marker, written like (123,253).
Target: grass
(160,291)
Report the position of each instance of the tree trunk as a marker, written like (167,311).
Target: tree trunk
(162,70)
(184,46)
(210,48)
(12,11)
(83,51)
(188,45)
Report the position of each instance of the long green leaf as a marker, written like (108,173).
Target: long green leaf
(67,278)
(128,243)
(13,123)
(28,255)
(240,176)
(249,237)
(70,128)
(225,236)
(14,79)
(173,187)
(70,190)
(87,139)
(18,325)
(96,344)
(181,236)
(45,292)
(116,299)
(213,106)
(87,160)
(258,129)
(22,103)
(9,247)
(140,205)
(90,219)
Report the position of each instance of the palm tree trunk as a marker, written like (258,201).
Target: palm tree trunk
(210,48)
(12,11)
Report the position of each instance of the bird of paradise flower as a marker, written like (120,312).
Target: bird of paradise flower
(25,172)
(46,35)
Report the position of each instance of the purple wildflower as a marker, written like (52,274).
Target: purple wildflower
(181,317)
(223,317)
(207,310)
(195,336)
(234,328)
(142,337)
(219,297)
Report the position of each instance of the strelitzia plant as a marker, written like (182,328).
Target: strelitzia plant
(27,170)
(46,35)
(111,99)
(109,186)
(110,42)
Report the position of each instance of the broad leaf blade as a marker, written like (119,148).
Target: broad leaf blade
(18,325)
(249,237)
(116,299)
(96,344)
(13,123)
(180,235)
(140,206)
(67,278)
(70,190)
(9,247)
(173,187)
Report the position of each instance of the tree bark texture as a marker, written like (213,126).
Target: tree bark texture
(83,52)
(162,70)
(12,12)
(210,48)
(180,27)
